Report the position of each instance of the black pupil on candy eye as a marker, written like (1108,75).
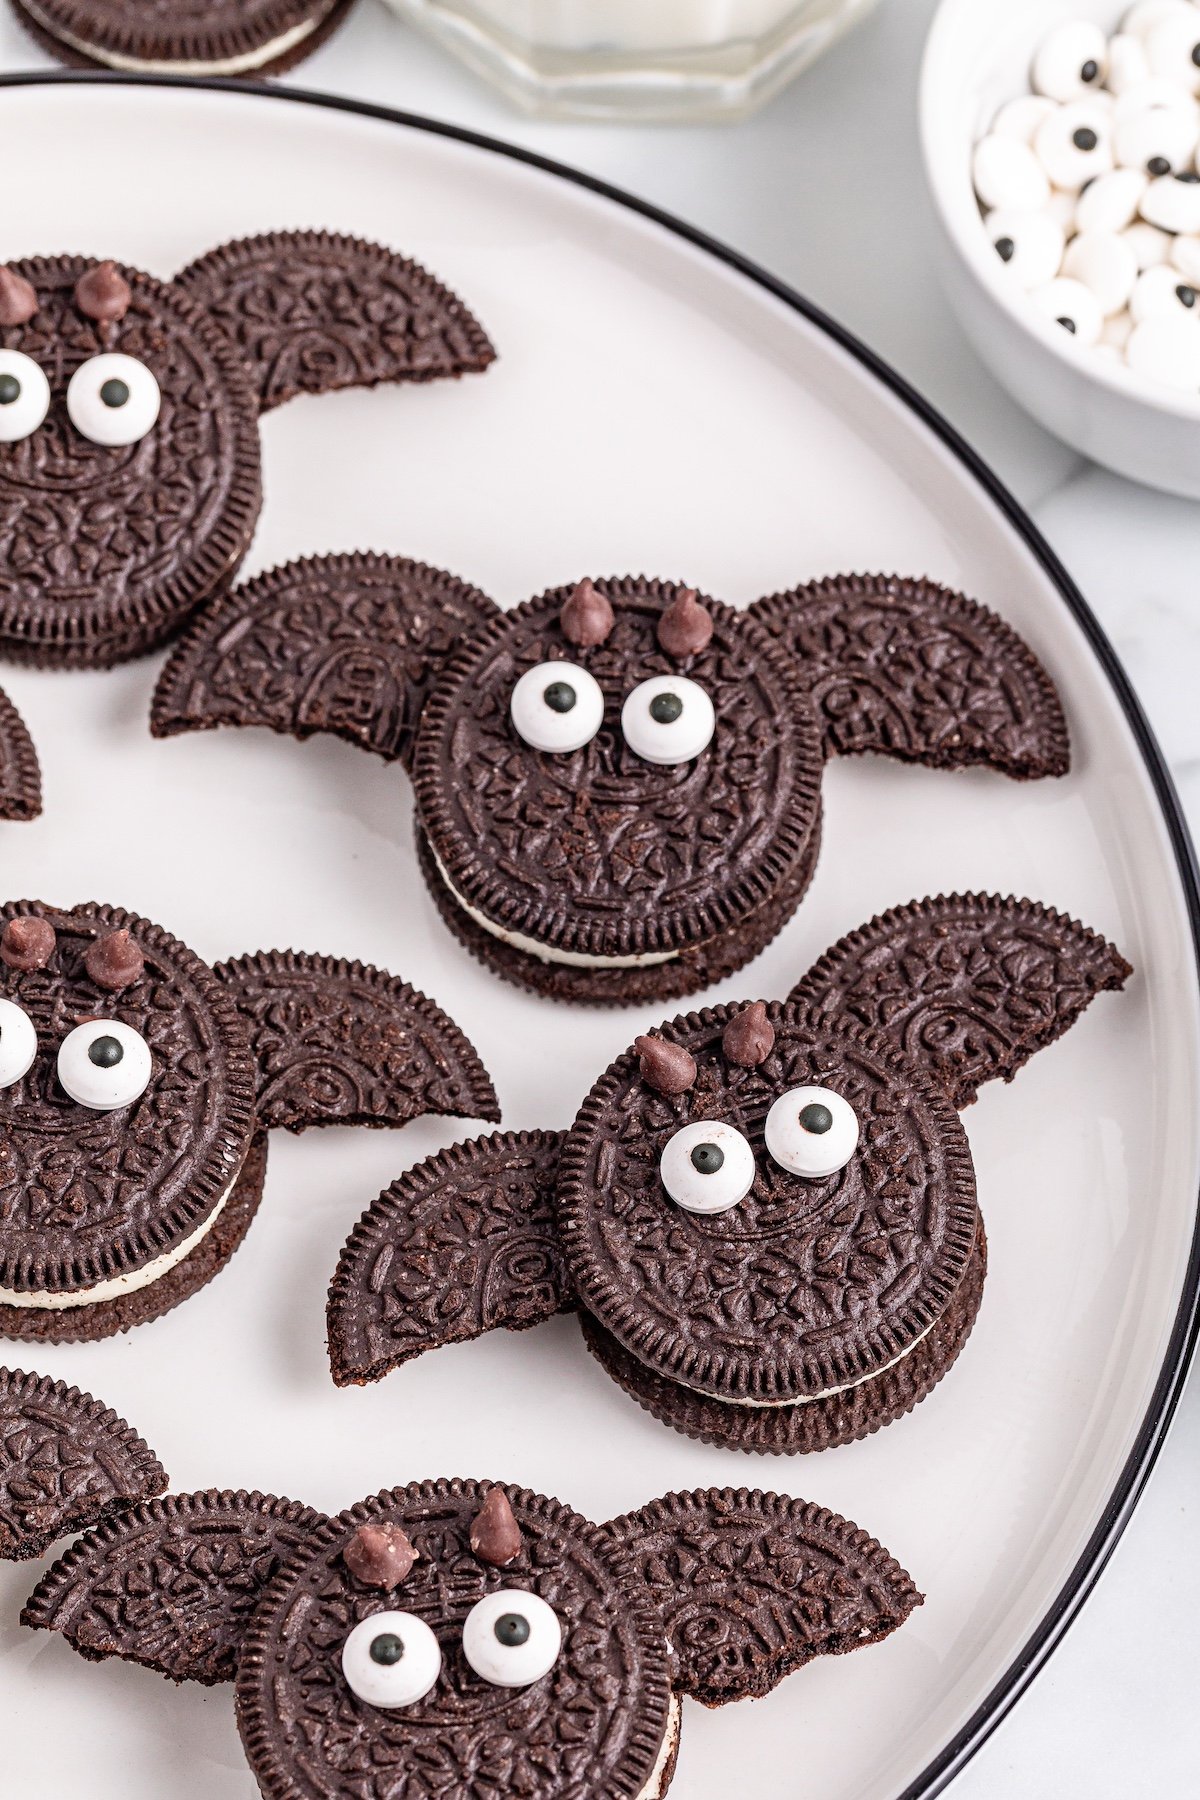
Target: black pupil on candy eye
(1089,72)
(559,696)
(512,1629)
(1085,138)
(707,1159)
(665,708)
(1158,165)
(1067,325)
(1185,294)
(10,389)
(114,393)
(816,1118)
(105,1052)
(387,1648)
(1005,248)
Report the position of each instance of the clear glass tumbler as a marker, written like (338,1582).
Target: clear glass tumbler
(637,59)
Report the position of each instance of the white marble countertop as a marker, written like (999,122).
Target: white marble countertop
(825,190)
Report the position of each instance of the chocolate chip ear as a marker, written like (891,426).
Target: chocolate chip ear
(18,301)
(103,294)
(346,645)
(313,311)
(341,1043)
(752,1586)
(465,1243)
(66,1461)
(173,1584)
(915,671)
(20,775)
(968,984)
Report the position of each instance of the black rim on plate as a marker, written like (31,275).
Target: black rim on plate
(1128,1488)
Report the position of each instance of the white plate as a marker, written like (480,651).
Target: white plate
(655,407)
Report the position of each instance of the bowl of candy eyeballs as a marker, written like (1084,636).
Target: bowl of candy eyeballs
(1061,141)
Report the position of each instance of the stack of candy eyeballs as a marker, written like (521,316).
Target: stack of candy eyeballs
(1090,188)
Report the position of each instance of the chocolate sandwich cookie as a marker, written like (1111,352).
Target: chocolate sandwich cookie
(764,1214)
(458,1636)
(182,37)
(137,1086)
(618,785)
(130,458)
(20,772)
(66,1462)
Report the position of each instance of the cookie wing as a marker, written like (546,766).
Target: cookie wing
(969,984)
(341,1043)
(915,671)
(171,1585)
(465,1243)
(66,1462)
(20,775)
(349,645)
(313,311)
(752,1586)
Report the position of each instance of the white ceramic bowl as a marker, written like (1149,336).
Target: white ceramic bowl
(977,56)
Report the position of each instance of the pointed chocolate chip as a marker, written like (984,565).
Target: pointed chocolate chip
(668,1068)
(587,617)
(114,961)
(495,1535)
(18,302)
(685,628)
(379,1556)
(27,943)
(103,294)
(749,1037)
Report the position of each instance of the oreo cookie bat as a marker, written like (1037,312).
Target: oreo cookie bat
(764,1215)
(618,786)
(137,1088)
(185,37)
(454,1638)
(130,460)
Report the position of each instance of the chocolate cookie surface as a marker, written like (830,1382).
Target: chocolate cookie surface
(196,37)
(105,548)
(596,1723)
(604,853)
(806,1286)
(840,1418)
(90,1195)
(66,1462)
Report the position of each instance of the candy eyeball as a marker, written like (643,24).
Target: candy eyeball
(1150,246)
(1127,63)
(113,400)
(707,1167)
(1110,202)
(1072,59)
(1069,304)
(104,1064)
(557,707)
(1172,202)
(1007,173)
(1159,140)
(1185,256)
(511,1638)
(18,1043)
(1105,264)
(1075,144)
(668,719)
(391,1659)
(1021,117)
(1173,49)
(24,396)
(1162,292)
(812,1132)
(1030,243)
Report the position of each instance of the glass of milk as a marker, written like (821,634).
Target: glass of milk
(637,59)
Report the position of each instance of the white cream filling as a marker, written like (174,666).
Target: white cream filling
(654,1787)
(807,1399)
(233,65)
(574,959)
(131,1280)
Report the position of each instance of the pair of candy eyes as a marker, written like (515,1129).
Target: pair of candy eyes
(510,1638)
(111,399)
(709,1166)
(102,1065)
(559,707)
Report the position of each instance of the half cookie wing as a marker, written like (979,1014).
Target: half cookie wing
(349,645)
(915,671)
(66,1462)
(752,1586)
(172,1585)
(20,776)
(969,984)
(314,310)
(463,1244)
(341,1043)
